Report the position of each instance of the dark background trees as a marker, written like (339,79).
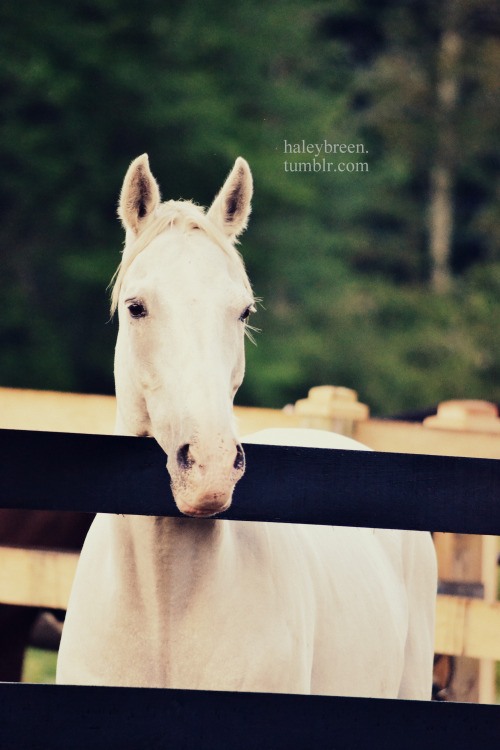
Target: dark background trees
(345,262)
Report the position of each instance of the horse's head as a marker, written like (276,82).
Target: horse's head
(183,299)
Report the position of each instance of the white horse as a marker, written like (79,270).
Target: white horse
(207,603)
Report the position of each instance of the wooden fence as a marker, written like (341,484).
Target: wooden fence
(466,626)
(457,496)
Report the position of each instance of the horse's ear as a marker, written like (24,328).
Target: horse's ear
(140,195)
(231,208)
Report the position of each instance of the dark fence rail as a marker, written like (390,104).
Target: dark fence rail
(59,471)
(83,718)
(127,475)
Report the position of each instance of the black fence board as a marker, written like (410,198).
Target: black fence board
(59,471)
(80,718)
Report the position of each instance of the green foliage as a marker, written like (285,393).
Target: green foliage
(401,349)
(339,259)
(40,666)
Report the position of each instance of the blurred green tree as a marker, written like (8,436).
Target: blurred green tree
(87,86)
(423,96)
(341,260)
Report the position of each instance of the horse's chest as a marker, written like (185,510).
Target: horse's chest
(362,617)
(294,616)
(286,610)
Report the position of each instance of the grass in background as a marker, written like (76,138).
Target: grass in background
(40,666)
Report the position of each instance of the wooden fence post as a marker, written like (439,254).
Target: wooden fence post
(332,408)
(467,563)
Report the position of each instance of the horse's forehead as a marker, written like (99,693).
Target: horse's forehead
(178,259)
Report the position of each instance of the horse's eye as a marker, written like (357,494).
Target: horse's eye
(137,310)
(246,313)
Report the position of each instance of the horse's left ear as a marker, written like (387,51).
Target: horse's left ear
(231,208)
(140,195)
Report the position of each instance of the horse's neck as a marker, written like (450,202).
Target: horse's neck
(154,554)
(163,537)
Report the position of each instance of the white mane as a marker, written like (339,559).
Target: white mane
(185,216)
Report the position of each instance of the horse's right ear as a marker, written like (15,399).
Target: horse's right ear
(140,195)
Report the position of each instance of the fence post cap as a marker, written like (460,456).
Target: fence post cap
(466,414)
(332,402)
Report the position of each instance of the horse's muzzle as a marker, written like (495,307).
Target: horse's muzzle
(203,484)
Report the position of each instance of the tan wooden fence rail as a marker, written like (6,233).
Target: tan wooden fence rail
(466,627)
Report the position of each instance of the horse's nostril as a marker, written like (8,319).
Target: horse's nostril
(239,461)
(184,460)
